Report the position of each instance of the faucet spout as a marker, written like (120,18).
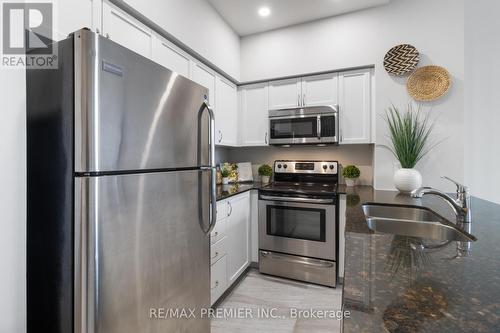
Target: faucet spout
(460,206)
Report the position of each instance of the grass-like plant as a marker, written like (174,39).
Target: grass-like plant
(409,132)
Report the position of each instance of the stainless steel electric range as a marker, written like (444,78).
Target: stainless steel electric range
(298,227)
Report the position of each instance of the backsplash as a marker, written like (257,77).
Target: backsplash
(359,155)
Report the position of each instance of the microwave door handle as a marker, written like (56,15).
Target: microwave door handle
(337,124)
(318,125)
(211,168)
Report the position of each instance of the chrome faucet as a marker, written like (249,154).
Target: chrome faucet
(460,205)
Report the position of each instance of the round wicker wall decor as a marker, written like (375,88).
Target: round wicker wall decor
(428,83)
(401,59)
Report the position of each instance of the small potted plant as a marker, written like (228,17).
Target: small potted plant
(265,172)
(351,174)
(225,176)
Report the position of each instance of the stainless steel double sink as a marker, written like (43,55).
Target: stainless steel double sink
(413,221)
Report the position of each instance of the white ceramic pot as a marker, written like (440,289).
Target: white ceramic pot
(407,180)
(225,180)
(264,179)
(351,181)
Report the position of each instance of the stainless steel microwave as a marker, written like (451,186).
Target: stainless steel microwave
(304,125)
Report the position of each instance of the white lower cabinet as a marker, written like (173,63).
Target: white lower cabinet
(218,277)
(230,244)
(238,235)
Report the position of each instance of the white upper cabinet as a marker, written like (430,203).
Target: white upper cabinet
(73,15)
(226,113)
(254,110)
(126,30)
(238,235)
(169,56)
(320,90)
(355,106)
(206,77)
(285,94)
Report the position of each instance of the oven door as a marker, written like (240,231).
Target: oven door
(297,225)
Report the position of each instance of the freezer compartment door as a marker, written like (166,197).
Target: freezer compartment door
(133,114)
(139,248)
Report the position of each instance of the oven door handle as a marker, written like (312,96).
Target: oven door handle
(292,199)
(303,261)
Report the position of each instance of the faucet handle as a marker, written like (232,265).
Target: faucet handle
(460,188)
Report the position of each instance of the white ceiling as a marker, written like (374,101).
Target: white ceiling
(243,15)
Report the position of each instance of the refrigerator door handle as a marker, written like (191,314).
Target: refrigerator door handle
(211,167)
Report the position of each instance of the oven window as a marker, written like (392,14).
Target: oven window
(294,128)
(296,222)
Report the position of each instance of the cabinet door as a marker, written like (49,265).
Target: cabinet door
(218,279)
(127,31)
(226,120)
(320,90)
(355,106)
(72,15)
(168,55)
(254,115)
(238,235)
(202,75)
(285,94)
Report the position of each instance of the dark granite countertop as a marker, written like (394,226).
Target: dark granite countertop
(390,286)
(226,191)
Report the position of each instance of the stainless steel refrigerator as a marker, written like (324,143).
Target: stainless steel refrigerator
(121,193)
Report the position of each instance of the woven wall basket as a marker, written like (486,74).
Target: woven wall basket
(428,83)
(401,59)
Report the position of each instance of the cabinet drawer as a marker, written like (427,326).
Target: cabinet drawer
(218,232)
(222,209)
(218,279)
(218,250)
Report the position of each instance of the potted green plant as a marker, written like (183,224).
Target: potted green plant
(351,174)
(409,132)
(225,176)
(265,172)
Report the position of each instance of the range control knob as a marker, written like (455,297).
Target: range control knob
(279,166)
(285,166)
(331,166)
(325,166)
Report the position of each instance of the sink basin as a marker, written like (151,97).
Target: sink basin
(412,221)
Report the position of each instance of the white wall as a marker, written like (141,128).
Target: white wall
(198,25)
(363,38)
(13,201)
(482,105)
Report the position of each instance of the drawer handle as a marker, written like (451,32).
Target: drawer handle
(215,256)
(308,262)
(216,285)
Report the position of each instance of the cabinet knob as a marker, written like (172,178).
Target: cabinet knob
(220,136)
(216,284)
(265,138)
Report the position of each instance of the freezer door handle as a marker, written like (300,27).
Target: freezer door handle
(211,167)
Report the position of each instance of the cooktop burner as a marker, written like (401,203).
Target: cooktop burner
(304,178)
(302,188)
